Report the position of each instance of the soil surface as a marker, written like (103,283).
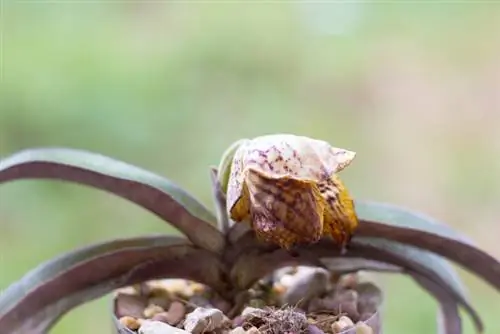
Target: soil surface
(291,301)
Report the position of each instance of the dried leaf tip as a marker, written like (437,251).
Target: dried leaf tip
(286,186)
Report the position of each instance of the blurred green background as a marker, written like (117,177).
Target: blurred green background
(413,88)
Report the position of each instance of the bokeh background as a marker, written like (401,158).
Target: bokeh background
(413,88)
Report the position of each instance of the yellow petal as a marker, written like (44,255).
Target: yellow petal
(241,209)
(340,219)
(284,211)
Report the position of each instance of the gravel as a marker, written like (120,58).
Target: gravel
(294,300)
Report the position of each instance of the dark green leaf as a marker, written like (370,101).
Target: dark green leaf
(35,302)
(152,192)
(397,224)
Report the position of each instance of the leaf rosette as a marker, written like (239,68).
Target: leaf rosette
(282,176)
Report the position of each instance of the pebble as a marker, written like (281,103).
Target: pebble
(346,320)
(312,329)
(159,296)
(141,289)
(176,313)
(171,284)
(238,320)
(362,328)
(286,280)
(237,330)
(348,281)
(253,330)
(345,301)
(151,310)
(180,287)
(279,289)
(370,297)
(128,290)
(129,305)
(344,323)
(279,273)
(200,301)
(203,320)
(306,284)
(163,317)
(347,295)
(251,311)
(157,327)
(130,322)
(258,303)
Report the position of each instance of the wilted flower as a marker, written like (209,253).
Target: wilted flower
(286,187)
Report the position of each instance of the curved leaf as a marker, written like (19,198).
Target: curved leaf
(444,280)
(397,224)
(152,192)
(35,302)
(257,260)
(345,265)
(448,321)
(219,201)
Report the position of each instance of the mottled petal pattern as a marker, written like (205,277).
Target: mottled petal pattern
(340,217)
(286,187)
(285,211)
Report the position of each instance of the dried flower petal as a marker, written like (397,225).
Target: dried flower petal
(286,187)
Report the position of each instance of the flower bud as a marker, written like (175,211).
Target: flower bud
(286,187)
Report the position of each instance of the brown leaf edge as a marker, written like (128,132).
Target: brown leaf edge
(411,228)
(258,260)
(148,190)
(34,303)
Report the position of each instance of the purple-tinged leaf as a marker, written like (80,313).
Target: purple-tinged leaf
(36,301)
(151,191)
(424,263)
(397,224)
(346,265)
(448,320)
